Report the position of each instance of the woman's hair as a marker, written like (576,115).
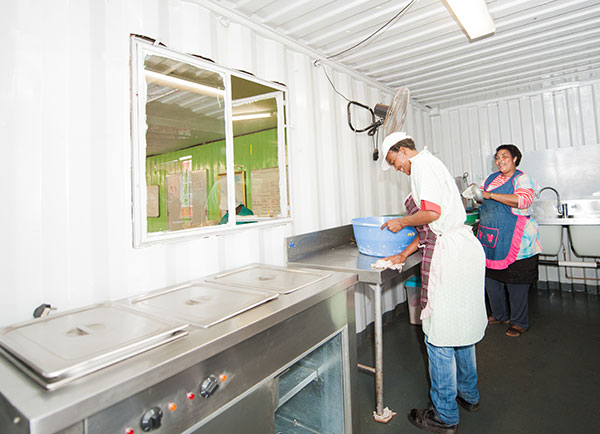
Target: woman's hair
(513,150)
(406,143)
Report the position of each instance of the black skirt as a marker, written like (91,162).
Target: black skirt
(521,271)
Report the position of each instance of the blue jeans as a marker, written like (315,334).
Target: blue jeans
(452,370)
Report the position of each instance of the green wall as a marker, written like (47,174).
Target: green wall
(252,151)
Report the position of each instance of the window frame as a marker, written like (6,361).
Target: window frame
(141,237)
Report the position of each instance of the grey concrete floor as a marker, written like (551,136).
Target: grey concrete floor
(545,381)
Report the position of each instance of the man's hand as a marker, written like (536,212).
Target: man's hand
(394,225)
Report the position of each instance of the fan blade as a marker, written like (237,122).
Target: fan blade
(396,115)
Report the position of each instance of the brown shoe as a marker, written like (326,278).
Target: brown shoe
(514,331)
(427,419)
(492,320)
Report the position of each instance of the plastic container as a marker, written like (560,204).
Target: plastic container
(373,241)
(413,299)
(472,216)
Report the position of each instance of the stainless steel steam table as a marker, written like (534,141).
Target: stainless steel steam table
(237,363)
(335,249)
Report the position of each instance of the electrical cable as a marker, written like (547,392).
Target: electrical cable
(331,82)
(317,62)
(375,32)
(371,129)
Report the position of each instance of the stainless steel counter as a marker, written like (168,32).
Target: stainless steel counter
(25,407)
(335,249)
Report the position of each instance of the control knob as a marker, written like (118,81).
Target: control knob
(151,419)
(208,387)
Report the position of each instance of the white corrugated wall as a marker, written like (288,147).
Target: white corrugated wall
(465,138)
(66,152)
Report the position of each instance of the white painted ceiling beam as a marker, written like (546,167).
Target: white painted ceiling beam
(322,17)
(272,34)
(329,16)
(522,87)
(506,79)
(335,37)
(426,50)
(505,57)
(338,39)
(434,55)
(478,86)
(431,30)
(530,60)
(299,7)
(250,7)
(415,45)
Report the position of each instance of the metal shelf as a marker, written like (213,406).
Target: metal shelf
(293,381)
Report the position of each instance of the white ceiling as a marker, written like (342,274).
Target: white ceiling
(537,44)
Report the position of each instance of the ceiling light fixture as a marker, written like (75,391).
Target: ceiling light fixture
(472,16)
(178,83)
(251,116)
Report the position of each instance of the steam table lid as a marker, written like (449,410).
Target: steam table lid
(77,342)
(270,277)
(203,304)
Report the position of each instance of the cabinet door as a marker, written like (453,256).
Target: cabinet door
(252,414)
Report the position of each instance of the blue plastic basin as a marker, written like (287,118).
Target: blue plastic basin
(373,241)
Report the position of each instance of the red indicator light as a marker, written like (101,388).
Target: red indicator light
(129,431)
(190,396)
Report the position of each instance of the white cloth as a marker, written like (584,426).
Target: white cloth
(384,263)
(455,313)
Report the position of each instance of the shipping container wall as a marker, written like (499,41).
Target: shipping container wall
(556,120)
(66,152)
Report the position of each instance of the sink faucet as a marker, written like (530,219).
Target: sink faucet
(561,209)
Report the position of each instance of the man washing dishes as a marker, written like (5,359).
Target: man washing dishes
(453,276)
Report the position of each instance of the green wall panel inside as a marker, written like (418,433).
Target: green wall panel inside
(251,151)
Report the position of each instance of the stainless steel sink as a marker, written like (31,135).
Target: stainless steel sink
(582,222)
(579,212)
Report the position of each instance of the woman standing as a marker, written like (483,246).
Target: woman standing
(509,236)
(453,304)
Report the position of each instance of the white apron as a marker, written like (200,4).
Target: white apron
(455,314)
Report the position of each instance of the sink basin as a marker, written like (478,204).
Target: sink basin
(550,226)
(584,227)
(583,223)
(551,239)
(585,239)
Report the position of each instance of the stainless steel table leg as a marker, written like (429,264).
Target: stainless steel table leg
(380,414)
(378,351)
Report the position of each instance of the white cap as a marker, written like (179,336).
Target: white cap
(388,142)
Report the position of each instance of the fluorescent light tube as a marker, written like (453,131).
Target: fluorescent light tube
(251,116)
(178,83)
(473,16)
